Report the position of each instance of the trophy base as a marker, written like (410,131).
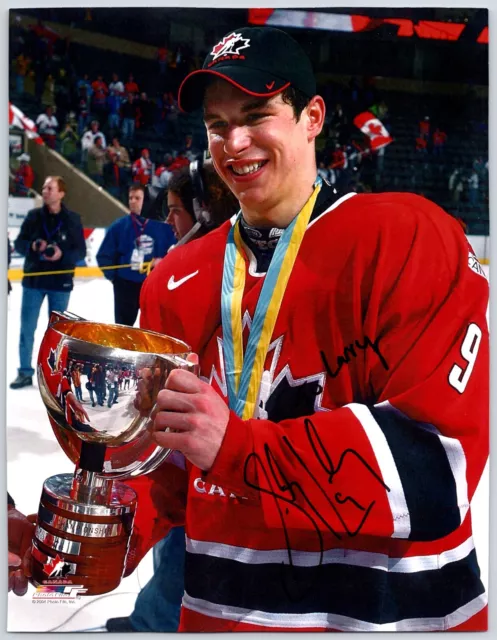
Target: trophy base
(79,543)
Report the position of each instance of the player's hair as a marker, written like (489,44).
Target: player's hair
(296,99)
(137,187)
(61,183)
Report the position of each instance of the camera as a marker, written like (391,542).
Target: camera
(49,251)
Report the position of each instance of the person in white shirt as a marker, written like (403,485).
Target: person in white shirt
(116,87)
(88,140)
(111,380)
(47,125)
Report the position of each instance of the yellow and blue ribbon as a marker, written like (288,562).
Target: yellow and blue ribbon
(244,371)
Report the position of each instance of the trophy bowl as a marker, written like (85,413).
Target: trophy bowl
(88,374)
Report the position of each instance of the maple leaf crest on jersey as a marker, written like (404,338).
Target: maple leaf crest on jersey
(230,45)
(281,395)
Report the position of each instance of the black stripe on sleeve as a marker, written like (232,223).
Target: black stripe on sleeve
(424,470)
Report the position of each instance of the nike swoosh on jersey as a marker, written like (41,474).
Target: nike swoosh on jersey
(174,284)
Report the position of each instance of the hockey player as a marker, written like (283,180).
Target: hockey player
(354,328)
(339,427)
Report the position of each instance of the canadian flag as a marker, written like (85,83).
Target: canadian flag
(19,120)
(369,124)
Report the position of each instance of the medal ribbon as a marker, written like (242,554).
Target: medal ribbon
(244,371)
(138,227)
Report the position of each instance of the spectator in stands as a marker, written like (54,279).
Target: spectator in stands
(131,86)
(323,171)
(114,100)
(89,138)
(69,140)
(160,114)
(145,111)
(456,186)
(21,66)
(117,173)
(179,161)
(115,179)
(83,109)
(62,93)
(142,169)
(338,161)
(473,186)
(128,115)
(85,85)
(116,86)
(51,239)
(162,54)
(99,99)
(24,176)
(48,94)
(97,157)
(163,173)
(132,240)
(47,127)
(191,152)
(421,144)
(121,152)
(439,141)
(30,83)
(171,115)
(424,128)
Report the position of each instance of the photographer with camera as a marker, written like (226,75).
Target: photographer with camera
(52,240)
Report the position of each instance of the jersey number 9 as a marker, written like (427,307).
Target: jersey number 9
(458,377)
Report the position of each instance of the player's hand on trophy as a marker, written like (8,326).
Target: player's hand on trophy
(20,533)
(195,413)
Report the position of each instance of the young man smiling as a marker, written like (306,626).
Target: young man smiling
(339,427)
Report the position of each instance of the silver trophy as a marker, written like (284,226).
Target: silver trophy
(88,375)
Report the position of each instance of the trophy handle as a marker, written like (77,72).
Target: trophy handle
(190,363)
(58,316)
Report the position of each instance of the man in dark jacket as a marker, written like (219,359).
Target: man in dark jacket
(52,239)
(132,240)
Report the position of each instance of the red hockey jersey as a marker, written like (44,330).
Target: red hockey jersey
(346,504)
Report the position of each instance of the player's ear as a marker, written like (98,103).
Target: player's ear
(315,113)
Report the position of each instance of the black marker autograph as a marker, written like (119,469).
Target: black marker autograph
(286,491)
(350,352)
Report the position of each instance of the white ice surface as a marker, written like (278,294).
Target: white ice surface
(33,455)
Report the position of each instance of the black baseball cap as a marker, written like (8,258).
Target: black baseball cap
(261,61)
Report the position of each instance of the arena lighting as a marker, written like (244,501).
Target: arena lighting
(428,29)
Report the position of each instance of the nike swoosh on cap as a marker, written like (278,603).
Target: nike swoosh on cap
(174,284)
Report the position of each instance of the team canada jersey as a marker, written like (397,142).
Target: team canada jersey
(345,503)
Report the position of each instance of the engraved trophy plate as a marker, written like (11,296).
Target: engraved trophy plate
(85,520)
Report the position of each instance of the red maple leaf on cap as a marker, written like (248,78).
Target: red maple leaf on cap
(231,44)
(49,567)
(220,46)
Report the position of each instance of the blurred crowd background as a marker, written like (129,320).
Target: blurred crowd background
(101,86)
